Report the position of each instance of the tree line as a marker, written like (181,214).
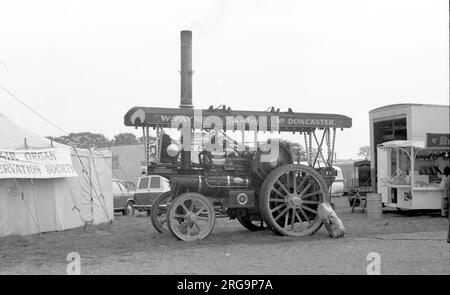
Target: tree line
(87,140)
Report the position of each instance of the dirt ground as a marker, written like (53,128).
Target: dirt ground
(407,244)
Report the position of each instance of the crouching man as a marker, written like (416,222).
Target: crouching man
(332,222)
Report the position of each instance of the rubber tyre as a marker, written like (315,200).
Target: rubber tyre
(129,209)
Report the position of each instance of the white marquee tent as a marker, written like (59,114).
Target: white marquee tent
(32,205)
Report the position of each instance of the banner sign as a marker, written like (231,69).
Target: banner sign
(286,121)
(438,140)
(45,163)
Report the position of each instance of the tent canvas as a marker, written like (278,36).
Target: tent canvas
(29,206)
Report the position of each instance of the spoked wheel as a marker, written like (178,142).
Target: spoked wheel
(191,217)
(289,199)
(251,225)
(159,212)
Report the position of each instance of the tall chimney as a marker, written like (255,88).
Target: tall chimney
(186,70)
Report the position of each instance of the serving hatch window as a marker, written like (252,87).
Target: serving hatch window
(404,162)
(387,130)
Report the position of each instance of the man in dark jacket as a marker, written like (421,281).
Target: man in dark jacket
(448,209)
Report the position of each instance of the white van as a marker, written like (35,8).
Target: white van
(337,188)
(149,187)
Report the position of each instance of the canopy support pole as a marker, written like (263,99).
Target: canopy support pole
(413,159)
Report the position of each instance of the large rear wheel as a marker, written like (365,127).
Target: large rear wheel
(289,198)
(191,217)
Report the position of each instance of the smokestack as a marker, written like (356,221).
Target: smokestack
(186,70)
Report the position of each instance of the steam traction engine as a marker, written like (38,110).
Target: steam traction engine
(221,176)
(253,186)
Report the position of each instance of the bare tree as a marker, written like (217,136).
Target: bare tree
(125,139)
(364,151)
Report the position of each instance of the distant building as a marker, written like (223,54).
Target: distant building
(347,167)
(128,161)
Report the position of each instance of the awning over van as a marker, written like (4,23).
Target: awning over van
(403,144)
(419,144)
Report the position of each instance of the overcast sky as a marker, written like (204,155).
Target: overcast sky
(83,64)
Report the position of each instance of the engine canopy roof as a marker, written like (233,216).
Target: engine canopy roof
(288,121)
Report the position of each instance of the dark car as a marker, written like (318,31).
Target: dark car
(131,186)
(122,198)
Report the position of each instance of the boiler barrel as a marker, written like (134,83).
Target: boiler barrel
(209,184)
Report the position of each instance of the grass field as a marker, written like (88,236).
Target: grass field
(131,246)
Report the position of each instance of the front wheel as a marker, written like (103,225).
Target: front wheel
(251,225)
(289,199)
(159,212)
(191,217)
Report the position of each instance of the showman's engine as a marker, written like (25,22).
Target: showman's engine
(234,176)
(256,184)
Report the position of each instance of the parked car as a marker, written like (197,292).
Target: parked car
(148,189)
(131,185)
(122,198)
(337,188)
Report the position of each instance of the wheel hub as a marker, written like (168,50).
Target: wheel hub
(191,217)
(294,201)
